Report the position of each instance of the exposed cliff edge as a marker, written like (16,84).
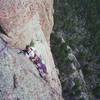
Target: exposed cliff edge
(71,76)
(78,22)
(24,21)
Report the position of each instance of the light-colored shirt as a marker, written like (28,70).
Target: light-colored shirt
(31,52)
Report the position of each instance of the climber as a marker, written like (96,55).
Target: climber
(31,53)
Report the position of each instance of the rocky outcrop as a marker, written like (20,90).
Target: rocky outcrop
(74,82)
(24,21)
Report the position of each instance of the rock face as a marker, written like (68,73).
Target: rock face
(21,17)
(24,21)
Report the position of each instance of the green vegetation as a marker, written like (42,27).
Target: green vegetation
(76,90)
(61,54)
(79,20)
(81,98)
(96,91)
(87,71)
(32,43)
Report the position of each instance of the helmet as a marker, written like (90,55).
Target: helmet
(27,46)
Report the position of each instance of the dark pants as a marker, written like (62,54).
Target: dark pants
(41,67)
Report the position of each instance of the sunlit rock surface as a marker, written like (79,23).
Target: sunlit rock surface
(24,21)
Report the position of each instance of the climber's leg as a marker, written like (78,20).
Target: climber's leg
(41,65)
(41,72)
(44,68)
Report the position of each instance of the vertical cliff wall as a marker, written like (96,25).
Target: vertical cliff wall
(24,21)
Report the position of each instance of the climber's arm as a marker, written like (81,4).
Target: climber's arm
(21,51)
